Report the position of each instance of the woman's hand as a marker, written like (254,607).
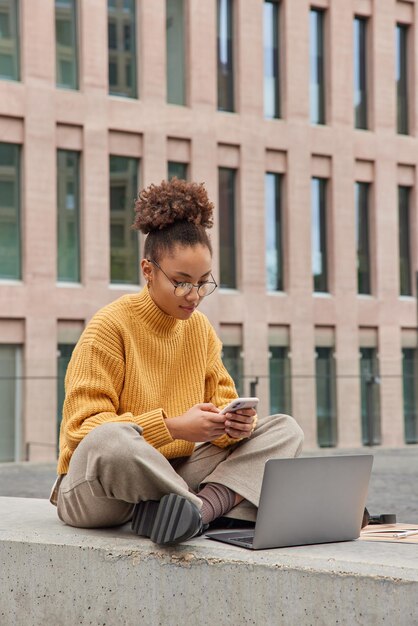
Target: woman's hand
(203,422)
(238,425)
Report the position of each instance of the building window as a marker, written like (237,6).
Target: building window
(363,238)
(360,72)
(225,29)
(122,48)
(405,271)
(11,402)
(319,234)
(228,278)
(271,59)
(66,43)
(124,249)
(233,362)
(176,74)
(325,397)
(402,77)
(273,228)
(410,393)
(68,212)
(9,39)
(177,169)
(370,397)
(10,263)
(317,67)
(65,351)
(280,381)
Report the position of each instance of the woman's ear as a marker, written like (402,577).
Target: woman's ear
(146,268)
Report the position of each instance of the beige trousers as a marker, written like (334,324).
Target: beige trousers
(114,467)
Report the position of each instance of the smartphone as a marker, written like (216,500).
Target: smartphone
(240,403)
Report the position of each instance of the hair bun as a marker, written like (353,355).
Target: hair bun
(159,206)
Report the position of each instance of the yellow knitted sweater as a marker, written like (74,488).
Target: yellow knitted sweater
(133,363)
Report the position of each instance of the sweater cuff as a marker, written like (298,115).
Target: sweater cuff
(154,428)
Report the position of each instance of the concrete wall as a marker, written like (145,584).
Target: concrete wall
(54,574)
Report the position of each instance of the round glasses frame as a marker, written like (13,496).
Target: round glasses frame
(183,289)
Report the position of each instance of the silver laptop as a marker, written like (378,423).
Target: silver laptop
(307,500)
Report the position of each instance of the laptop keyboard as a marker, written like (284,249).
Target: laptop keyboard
(244,539)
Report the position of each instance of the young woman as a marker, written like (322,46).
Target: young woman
(146,383)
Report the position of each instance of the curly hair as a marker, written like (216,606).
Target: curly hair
(174,212)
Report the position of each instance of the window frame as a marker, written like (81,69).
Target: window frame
(229,106)
(276,59)
(360,62)
(317,91)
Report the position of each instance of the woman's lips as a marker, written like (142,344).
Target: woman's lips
(190,309)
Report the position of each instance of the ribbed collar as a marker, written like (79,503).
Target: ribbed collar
(153,317)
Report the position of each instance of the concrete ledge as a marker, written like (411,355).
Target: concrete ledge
(54,575)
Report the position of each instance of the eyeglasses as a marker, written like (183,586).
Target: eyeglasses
(182,289)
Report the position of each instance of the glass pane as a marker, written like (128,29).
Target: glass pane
(271,59)
(317,67)
(10,264)
(410,393)
(177,169)
(363,243)
(319,234)
(370,397)
(124,249)
(273,226)
(122,48)
(225,55)
(68,213)
(227,227)
(66,43)
(65,351)
(402,77)
(404,242)
(325,397)
(9,39)
(8,390)
(176,79)
(233,361)
(280,384)
(360,72)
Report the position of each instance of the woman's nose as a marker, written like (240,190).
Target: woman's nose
(193,295)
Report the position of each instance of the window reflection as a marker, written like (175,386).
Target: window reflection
(325,397)
(319,234)
(363,238)
(402,78)
(9,39)
(176,78)
(11,399)
(280,387)
(410,393)
(122,48)
(177,169)
(66,43)
(227,227)
(10,237)
(273,232)
(370,397)
(360,72)
(124,249)
(225,55)
(234,363)
(405,270)
(317,67)
(271,59)
(68,208)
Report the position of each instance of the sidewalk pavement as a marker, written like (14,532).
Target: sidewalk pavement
(393,486)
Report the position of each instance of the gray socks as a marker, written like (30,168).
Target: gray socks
(217,500)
